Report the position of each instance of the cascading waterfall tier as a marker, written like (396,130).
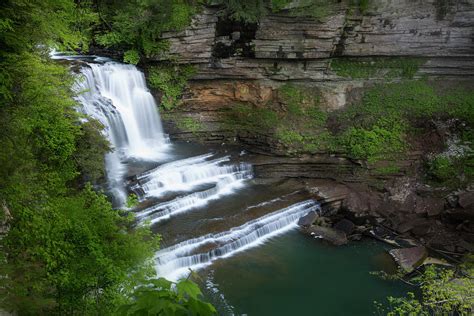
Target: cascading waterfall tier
(188,175)
(175,261)
(117,96)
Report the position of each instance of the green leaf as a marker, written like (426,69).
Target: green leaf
(188,288)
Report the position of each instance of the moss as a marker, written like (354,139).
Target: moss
(387,170)
(365,68)
(289,137)
(316,9)
(246,116)
(189,124)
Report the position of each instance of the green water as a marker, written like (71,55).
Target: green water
(296,275)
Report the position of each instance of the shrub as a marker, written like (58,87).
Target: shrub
(131,57)
(171,80)
(441,168)
(289,137)
(378,142)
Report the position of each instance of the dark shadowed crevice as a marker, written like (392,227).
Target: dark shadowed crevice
(234,38)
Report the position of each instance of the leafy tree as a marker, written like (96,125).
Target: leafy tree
(136,26)
(246,11)
(162,297)
(443,292)
(67,250)
(171,80)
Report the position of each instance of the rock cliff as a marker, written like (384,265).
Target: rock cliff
(246,63)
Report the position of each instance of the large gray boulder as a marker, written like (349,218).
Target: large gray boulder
(409,258)
(308,219)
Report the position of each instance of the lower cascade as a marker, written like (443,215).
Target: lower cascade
(175,261)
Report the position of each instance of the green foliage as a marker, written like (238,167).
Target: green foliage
(386,170)
(26,24)
(459,103)
(300,128)
(245,11)
(136,26)
(131,57)
(162,297)
(132,201)
(442,293)
(317,9)
(381,141)
(387,67)
(289,137)
(91,147)
(171,80)
(245,116)
(441,168)
(278,5)
(67,251)
(189,124)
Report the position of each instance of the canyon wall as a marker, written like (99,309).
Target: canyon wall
(247,62)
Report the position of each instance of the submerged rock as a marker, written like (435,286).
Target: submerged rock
(409,258)
(334,236)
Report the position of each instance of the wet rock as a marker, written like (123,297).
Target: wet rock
(409,258)
(466,199)
(345,226)
(361,202)
(334,236)
(429,205)
(308,219)
(410,222)
(421,230)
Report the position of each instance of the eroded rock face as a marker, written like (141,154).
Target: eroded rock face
(246,63)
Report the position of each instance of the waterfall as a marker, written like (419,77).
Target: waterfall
(187,175)
(117,96)
(175,261)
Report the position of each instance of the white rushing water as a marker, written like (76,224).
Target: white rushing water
(188,175)
(117,96)
(175,261)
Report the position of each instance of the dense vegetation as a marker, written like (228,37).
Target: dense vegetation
(442,292)
(67,250)
(383,125)
(135,27)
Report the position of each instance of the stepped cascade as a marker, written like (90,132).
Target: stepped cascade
(172,188)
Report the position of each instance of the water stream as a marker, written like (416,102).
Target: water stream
(206,204)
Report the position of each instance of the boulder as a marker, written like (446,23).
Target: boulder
(409,258)
(345,226)
(429,205)
(334,236)
(308,219)
(466,200)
